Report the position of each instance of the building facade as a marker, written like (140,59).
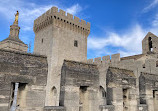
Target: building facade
(58,76)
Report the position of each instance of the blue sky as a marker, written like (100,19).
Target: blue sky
(117,26)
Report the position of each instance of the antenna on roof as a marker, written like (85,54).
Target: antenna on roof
(29,51)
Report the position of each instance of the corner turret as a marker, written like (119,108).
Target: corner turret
(13,42)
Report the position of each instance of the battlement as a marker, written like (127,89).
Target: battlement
(61,19)
(105,59)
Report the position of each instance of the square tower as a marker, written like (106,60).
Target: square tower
(59,36)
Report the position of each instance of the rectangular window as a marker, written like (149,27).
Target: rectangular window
(76,43)
(154,93)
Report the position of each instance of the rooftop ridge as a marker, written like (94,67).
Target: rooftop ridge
(23,53)
(112,67)
(79,62)
(13,39)
(62,19)
(150,74)
(123,71)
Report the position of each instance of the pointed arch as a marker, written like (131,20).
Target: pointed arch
(102,92)
(53,96)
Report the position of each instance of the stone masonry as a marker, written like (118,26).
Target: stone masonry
(55,36)
(58,76)
(30,71)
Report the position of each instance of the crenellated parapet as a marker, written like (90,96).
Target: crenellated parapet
(148,66)
(59,18)
(105,59)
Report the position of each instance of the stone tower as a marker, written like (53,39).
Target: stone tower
(150,44)
(59,36)
(13,42)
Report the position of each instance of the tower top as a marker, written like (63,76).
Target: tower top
(61,18)
(13,42)
(149,44)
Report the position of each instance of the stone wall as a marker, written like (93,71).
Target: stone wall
(121,84)
(138,63)
(54,108)
(13,46)
(79,86)
(107,108)
(30,71)
(143,107)
(149,90)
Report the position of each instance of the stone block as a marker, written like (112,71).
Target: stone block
(106,59)
(115,58)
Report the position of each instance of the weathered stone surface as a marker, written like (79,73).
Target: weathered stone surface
(23,68)
(54,108)
(107,108)
(75,77)
(51,83)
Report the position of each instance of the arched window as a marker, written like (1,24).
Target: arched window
(54,91)
(53,96)
(102,92)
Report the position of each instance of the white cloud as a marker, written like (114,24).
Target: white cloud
(129,43)
(155,21)
(74,9)
(150,6)
(29,11)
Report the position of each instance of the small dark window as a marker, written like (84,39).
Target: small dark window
(154,93)
(76,43)
(156,63)
(150,44)
(42,41)
(83,88)
(103,94)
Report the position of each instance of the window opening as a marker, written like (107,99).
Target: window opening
(14,96)
(125,99)
(103,93)
(150,44)
(17,95)
(76,43)
(154,93)
(83,99)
